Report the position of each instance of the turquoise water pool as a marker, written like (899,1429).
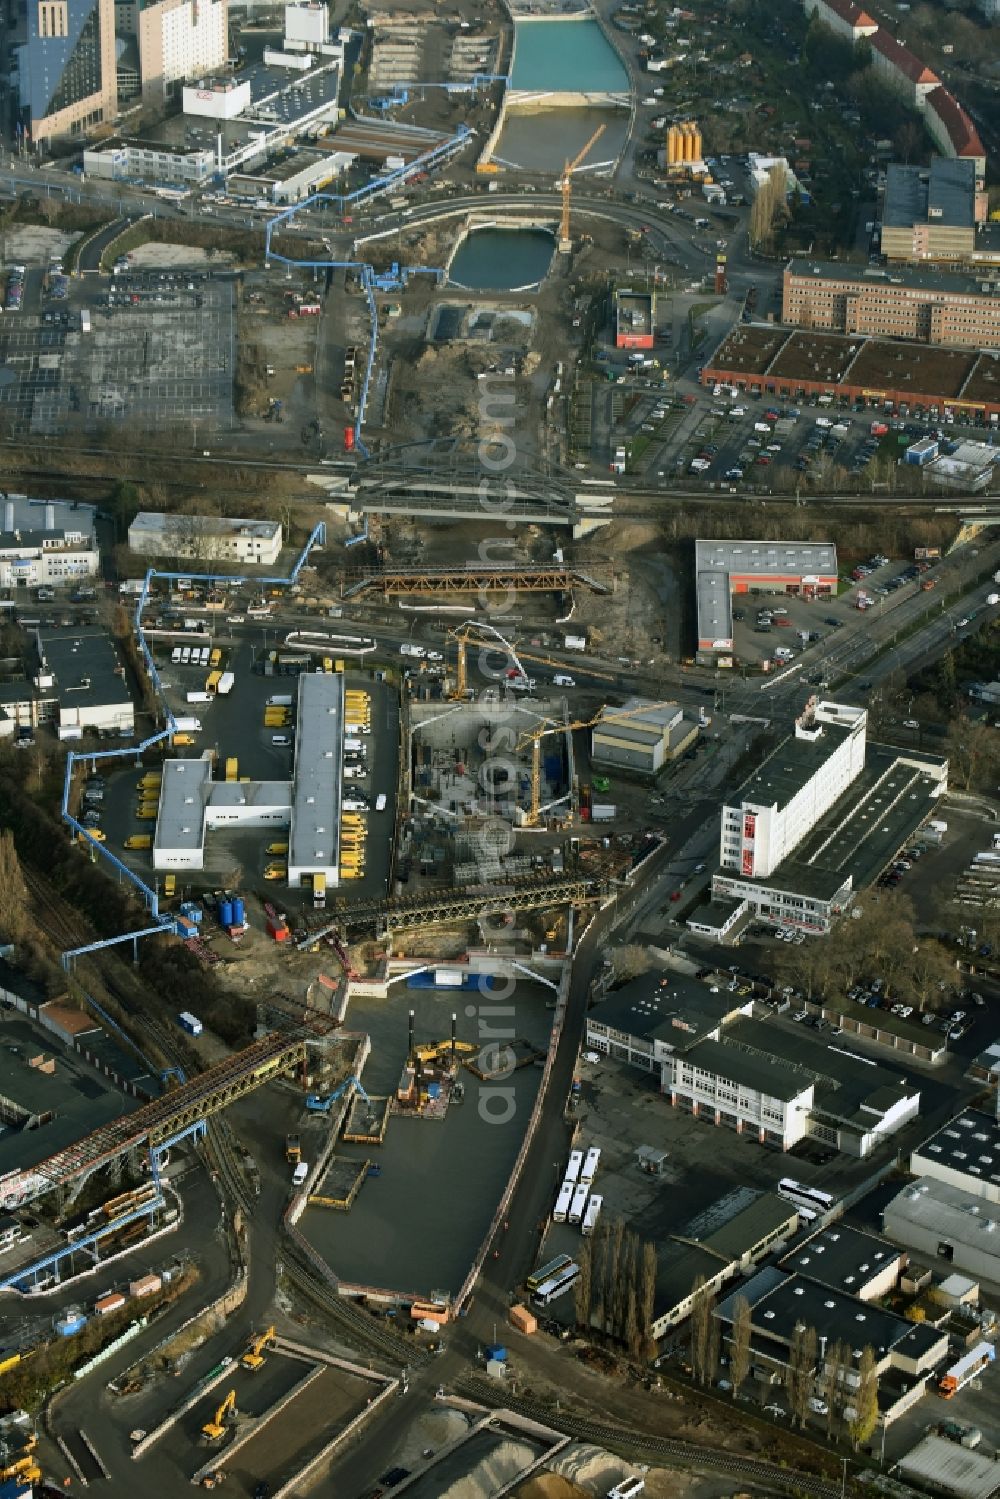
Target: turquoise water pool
(573,57)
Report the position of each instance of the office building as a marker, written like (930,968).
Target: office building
(178,40)
(964,1154)
(746,1092)
(205,538)
(803,569)
(67,78)
(821,819)
(645,1021)
(946,1226)
(46,543)
(932,213)
(635,737)
(794,788)
(934,307)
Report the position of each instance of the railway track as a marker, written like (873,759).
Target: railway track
(640,1446)
(355,1325)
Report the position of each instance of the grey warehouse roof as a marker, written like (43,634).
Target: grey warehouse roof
(936,1463)
(183,793)
(942,194)
(768,561)
(938,1207)
(314,834)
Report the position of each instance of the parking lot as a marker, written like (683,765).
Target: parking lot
(160,351)
(748,442)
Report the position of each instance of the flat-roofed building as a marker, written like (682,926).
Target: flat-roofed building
(317,778)
(745,1092)
(932,213)
(639,737)
(82,676)
(855,1262)
(965,1154)
(947,1225)
(651,1017)
(799,568)
(795,786)
(934,307)
(205,538)
(192,805)
(179,39)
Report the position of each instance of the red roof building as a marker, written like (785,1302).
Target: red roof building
(953,132)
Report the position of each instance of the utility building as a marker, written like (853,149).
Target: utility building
(932,213)
(643,740)
(205,538)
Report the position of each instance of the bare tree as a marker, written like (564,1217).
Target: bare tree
(739,1346)
(612,1280)
(599,1313)
(13,891)
(831,1382)
(698,1327)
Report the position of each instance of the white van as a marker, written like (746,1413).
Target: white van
(629,1488)
(186,656)
(300,1173)
(175,656)
(561,680)
(380,802)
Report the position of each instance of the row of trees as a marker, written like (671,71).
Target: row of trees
(847,1387)
(616,1288)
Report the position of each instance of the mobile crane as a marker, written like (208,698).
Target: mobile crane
(320,1103)
(473,632)
(254,1359)
(215,1430)
(535,736)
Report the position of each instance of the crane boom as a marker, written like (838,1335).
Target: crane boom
(571,166)
(473,632)
(535,736)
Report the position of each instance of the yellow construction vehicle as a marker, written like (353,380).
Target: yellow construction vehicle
(254,1356)
(25,1469)
(565,243)
(224,1417)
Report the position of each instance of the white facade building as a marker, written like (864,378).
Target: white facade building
(192,805)
(307,27)
(205,538)
(180,39)
(781,804)
(217,99)
(46,543)
(760,1095)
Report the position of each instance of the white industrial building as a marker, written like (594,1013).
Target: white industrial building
(820,820)
(216,98)
(964,1154)
(46,543)
(946,1225)
(307,26)
(192,804)
(743,1092)
(786,798)
(314,834)
(205,538)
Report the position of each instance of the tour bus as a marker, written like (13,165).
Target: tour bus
(579,1206)
(563,1202)
(539,1277)
(590,1165)
(573,1169)
(560,1283)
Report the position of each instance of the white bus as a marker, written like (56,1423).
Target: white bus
(805,1197)
(563,1203)
(573,1169)
(592,1214)
(579,1204)
(560,1283)
(590,1165)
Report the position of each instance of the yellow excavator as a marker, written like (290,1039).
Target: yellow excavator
(25,1469)
(254,1356)
(220,1423)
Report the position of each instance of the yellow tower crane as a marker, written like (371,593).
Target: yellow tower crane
(215,1429)
(565,243)
(535,736)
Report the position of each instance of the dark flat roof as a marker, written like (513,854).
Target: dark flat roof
(833,1313)
(944,283)
(766,1215)
(943,193)
(765,1074)
(668,1006)
(970,1144)
(842,1257)
(87,669)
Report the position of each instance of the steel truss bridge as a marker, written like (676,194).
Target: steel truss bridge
(164,1120)
(501,578)
(444,906)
